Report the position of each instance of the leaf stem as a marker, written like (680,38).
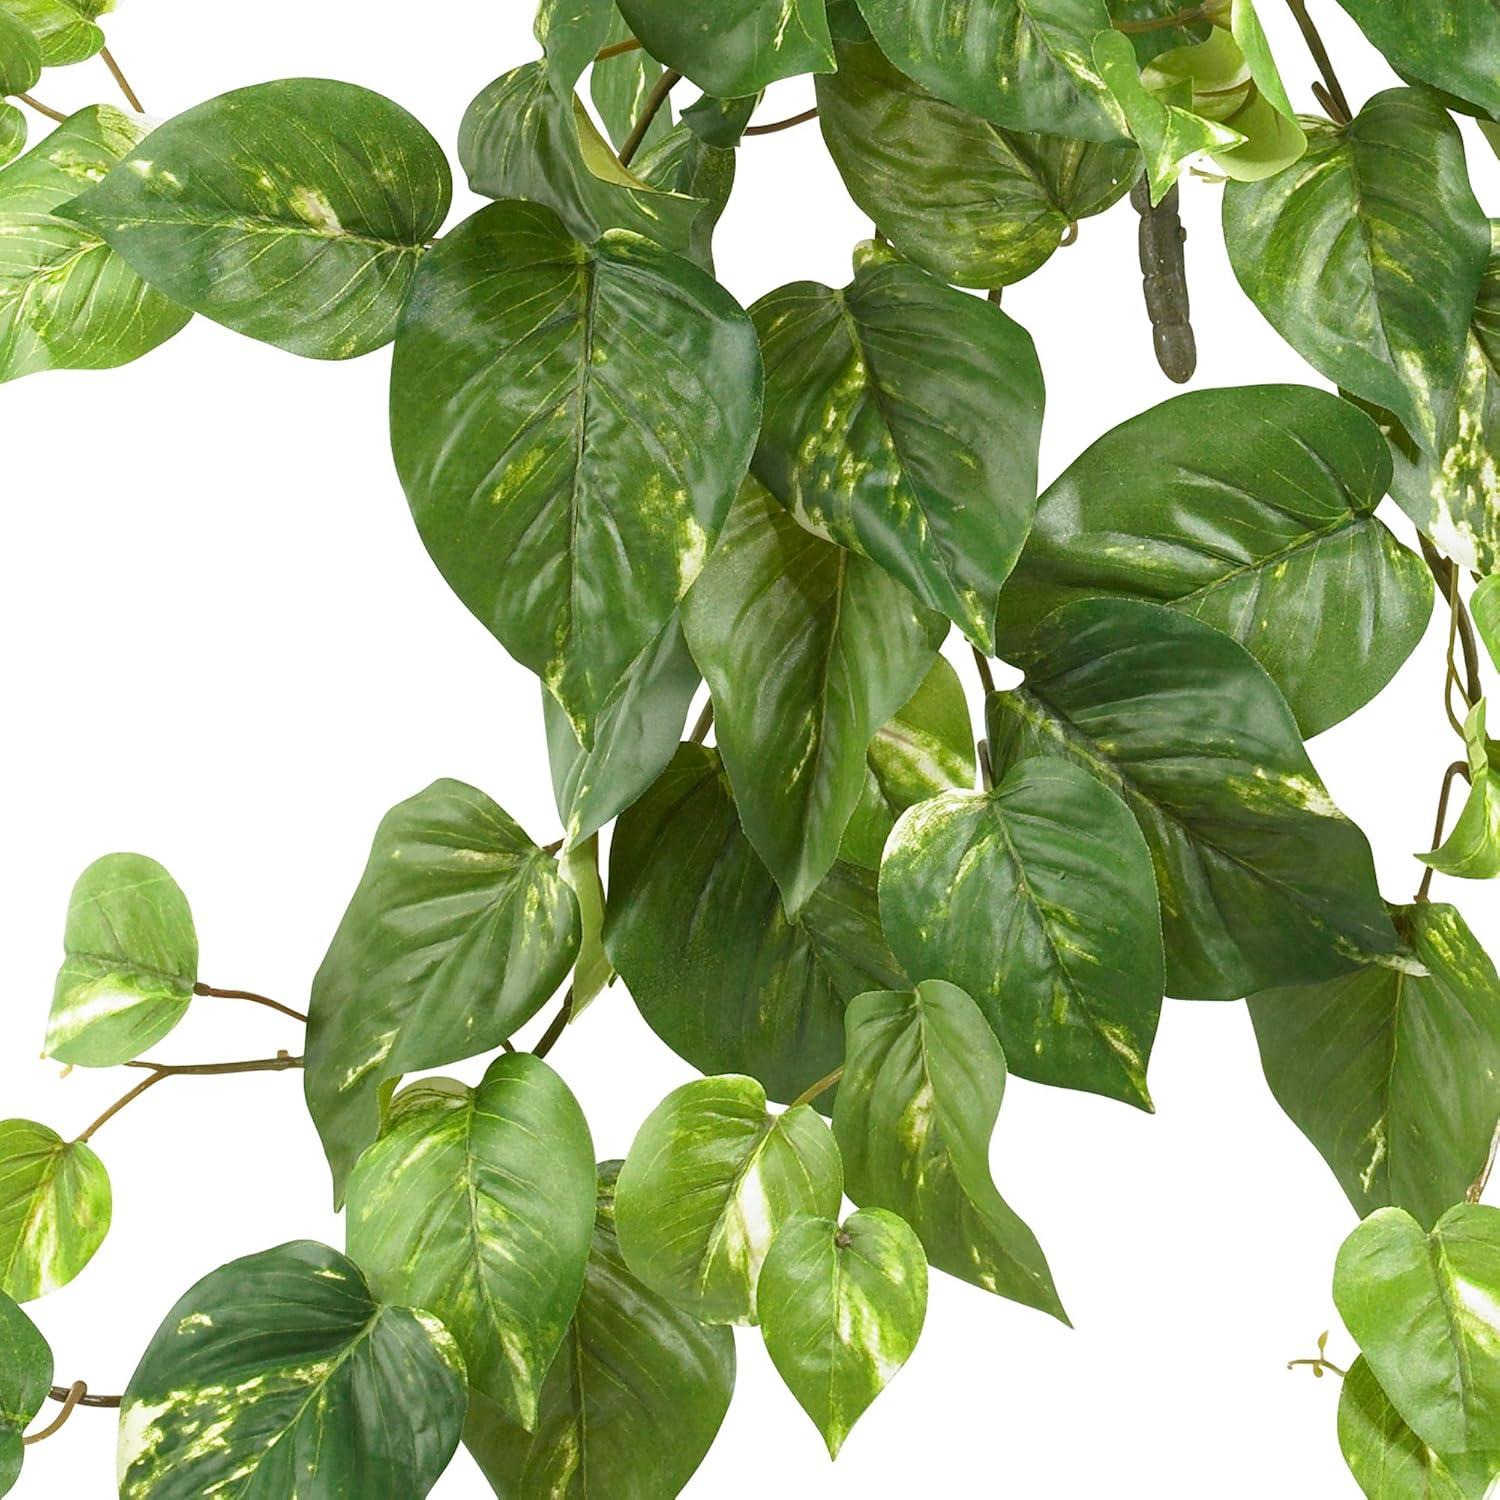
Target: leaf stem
(281,1063)
(1341,112)
(986,676)
(107,1403)
(250,995)
(1476,1192)
(1458,768)
(1189,17)
(1447,576)
(122,80)
(40,108)
(118,1105)
(617,49)
(76,1392)
(649,111)
(550,1036)
(1321,1363)
(819,1088)
(704,724)
(802,119)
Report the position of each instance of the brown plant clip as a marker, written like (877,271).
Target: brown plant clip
(1164,272)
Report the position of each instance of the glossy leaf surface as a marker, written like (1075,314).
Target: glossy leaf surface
(1472,849)
(20,55)
(55,1209)
(1452,47)
(25,1379)
(65,29)
(569,33)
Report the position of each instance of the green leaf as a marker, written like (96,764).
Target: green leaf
(459,931)
(841,1309)
(920,1095)
(720,122)
(570,32)
(1366,1066)
(478,1207)
(1389,1461)
(960,196)
(593,970)
(1038,899)
(1022,63)
(902,420)
(1275,137)
(64,29)
(25,1379)
(750,43)
(13,132)
(633,1401)
(1425,1310)
(580,417)
(1452,47)
(1252,509)
(1472,849)
(1150,44)
(1484,604)
(68,301)
(1374,296)
(621,86)
(295,212)
(1263,880)
(54,1209)
(132,962)
(280,1374)
(683,163)
(808,650)
(20,55)
(925,748)
(696,928)
(711,1178)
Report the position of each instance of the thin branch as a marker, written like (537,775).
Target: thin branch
(250,995)
(119,1104)
(75,1394)
(818,1089)
(1341,112)
(986,677)
(106,1403)
(161,1071)
(649,111)
(122,80)
(1189,17)
(40,108)
(802,119)
(1458,768)
(1447,576)
(704,724)
(559,1025)
(618,49)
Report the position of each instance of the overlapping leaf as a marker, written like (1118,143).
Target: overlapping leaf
(25,1379)
(621,89)
(592,971)
(65,29)
(1472,849)
(13,132)
(20,55)
(569,33)
(54,1209)
(1452,47)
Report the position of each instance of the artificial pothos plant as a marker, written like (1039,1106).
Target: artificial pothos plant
(850,918)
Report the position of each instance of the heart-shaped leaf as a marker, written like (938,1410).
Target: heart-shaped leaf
(1451,47)
(25,1379)
(54,1209)
(64,29)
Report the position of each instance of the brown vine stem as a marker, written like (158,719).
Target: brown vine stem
(76,1392)
(986,677)
(550,1036)
(820,1087)
(40,108)
(649,111)
(250,995)
(776,125)
(1458,768)
(617,49)
(1342,114)
(160,1072)
(1189,17)
(105,1403)
(120,78)
(704,724)
(1470,683)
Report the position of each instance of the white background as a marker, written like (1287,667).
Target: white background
(226,648)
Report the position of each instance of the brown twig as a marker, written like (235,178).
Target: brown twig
(649,111)
(1447,576)
(122,80)
(1458,768)
(704,724)
(549,1037)
(1341,112)
(106,1403)
(802,119)
(40,108)
(250,995)
(1189,17)
(76,1392)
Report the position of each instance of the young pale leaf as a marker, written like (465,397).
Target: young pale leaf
(1472,849)
(1366,1066)
(710,1180)
(1390,1462)
(841,1309)
(902,420)
(1263,880)
(1425,1310)
(478,1207)
(295,212)
(20,55)
(569,33)
(280,1374)
(695,926)
(578,417)
(1038,899)
(25,1379)
(459,931)
(808,650)
(593,970)
(1485,607)
(1252,509)
(631,1404)
(64,29)
(67,300)
(920,1095)
(54,1209)
(132,962)
(1021,63)
(1451,46)
(1375,296)
(976,204)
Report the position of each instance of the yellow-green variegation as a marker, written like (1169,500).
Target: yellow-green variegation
(710,1181)
(841,1309)
(280,1374)
(20,55)
(1472,849)
(1451,46)
(621,88)
(569,33)
(65,30)
(25,1379)
(13,131)
(132,962)
(54,1209)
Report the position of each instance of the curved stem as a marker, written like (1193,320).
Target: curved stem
(1341,112)
(1189,17)
(559,1025)
(250,995)
(76,1393)
(40,108)
(802,119)
(649,111)
(122,80)
(1317,1366)
(1447,577)
(617,49)
(819,1088)
(704,724)
(986,677)
(119,1104)
(160,1071)
(106,1403)
(1458,768)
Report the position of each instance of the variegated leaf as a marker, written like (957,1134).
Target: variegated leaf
(569,33)
(695,925)
(841,1309)
(1263,880)
(280,1374)
(478,1207)
(460,930)
(295,212)
(920,1095)
(621,88)
(20,55)
(1452,47)
(1484,604)
(1367,1066)
(974,203)
(13,132)
(1425,1310)
(902,421)
(65,29)
(54,1209)
(580,417)
(25,1379)
(632,1402)
(808,650)
(132,962)
(682,162)
(709,1182)
(1472,849)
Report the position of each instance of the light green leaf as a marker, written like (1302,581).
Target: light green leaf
(280,1374)
(920,1095)
(902,421)
(808,650)
(1263,880)
(633,1401)
(976,204)
(64,29)
(478,1207)
(580,417)
(1425,1310)
(593,970)
(1450,46)
(570,32)
(67,300)
(841,1309)
(1472,848)
(1367,1065)
(25,1379)
(1038,899)
(696,928)
(1252,509)
(132,962)
(20,55)
(295,212)
(54,1209)
(1484,604)
(13,132)
(709,1182)
(459,931)
(1377,298)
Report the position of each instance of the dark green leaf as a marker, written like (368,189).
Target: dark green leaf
(1450,46)
(621,86)
(55,1208)
(20,55)
(1472,849)
(683,163)
(1148,44)
(1263,880)
(720,122)
(64,29)
(25,1379)
(570,32)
